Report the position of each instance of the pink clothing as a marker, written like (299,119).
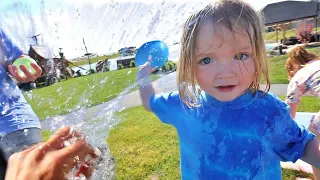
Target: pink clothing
(306,80)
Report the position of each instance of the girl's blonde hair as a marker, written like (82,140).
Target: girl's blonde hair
(298,56)
(231,14)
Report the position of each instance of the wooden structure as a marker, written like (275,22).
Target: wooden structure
(48,63)
(281,15)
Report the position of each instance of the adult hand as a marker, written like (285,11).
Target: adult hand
(13,70)
(52,159)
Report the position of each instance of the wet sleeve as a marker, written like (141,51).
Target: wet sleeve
(9,51)
(167,107)
(288,138)
(295,90)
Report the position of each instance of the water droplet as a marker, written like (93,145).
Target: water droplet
(29,94)
(5,108)
(25,132)
(2,136)
(59,89)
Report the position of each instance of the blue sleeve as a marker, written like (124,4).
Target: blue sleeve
(11,51)
(167,107)
(288,139)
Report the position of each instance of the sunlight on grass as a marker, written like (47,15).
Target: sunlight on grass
(144,147)
(308,104)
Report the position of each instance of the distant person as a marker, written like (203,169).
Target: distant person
(304,74)
(99,66)
(19,125)
(227,127)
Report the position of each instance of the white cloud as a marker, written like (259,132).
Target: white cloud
(256,4)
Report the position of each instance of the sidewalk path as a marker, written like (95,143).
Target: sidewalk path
(164,84)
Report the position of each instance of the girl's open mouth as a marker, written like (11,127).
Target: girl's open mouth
(226,88)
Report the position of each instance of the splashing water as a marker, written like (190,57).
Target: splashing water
(106,28)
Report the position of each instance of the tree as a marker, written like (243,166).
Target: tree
(304,31)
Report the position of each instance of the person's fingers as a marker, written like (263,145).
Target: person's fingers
(19,77)
(12,167)
(29,76)
(86,169)
(65,133)
(75,153)
(58,139)
(31,148)
(20,159)
(37,69)
(11,71)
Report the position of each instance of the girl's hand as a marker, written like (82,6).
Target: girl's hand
(13,70)
(145,69)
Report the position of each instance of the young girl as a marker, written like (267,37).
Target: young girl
(227,127)
(303,70)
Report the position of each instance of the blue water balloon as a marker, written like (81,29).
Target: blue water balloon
(157,50)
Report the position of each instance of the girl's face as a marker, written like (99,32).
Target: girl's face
(224,64)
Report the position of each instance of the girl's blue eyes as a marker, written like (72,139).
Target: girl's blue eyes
(239,57)
(206,61)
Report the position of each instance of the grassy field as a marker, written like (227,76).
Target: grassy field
(271,36)
(308,104)
(85,91)
(143,147)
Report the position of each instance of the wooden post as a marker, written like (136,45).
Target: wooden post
(316,19)
(284,28)
(277,34)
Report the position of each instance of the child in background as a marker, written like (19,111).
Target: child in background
(19,125)
(227,127)
(303,70)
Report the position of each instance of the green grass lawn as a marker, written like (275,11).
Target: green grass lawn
(144,147)
(271,36)
(85,91)
(277,70)
(308,104)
